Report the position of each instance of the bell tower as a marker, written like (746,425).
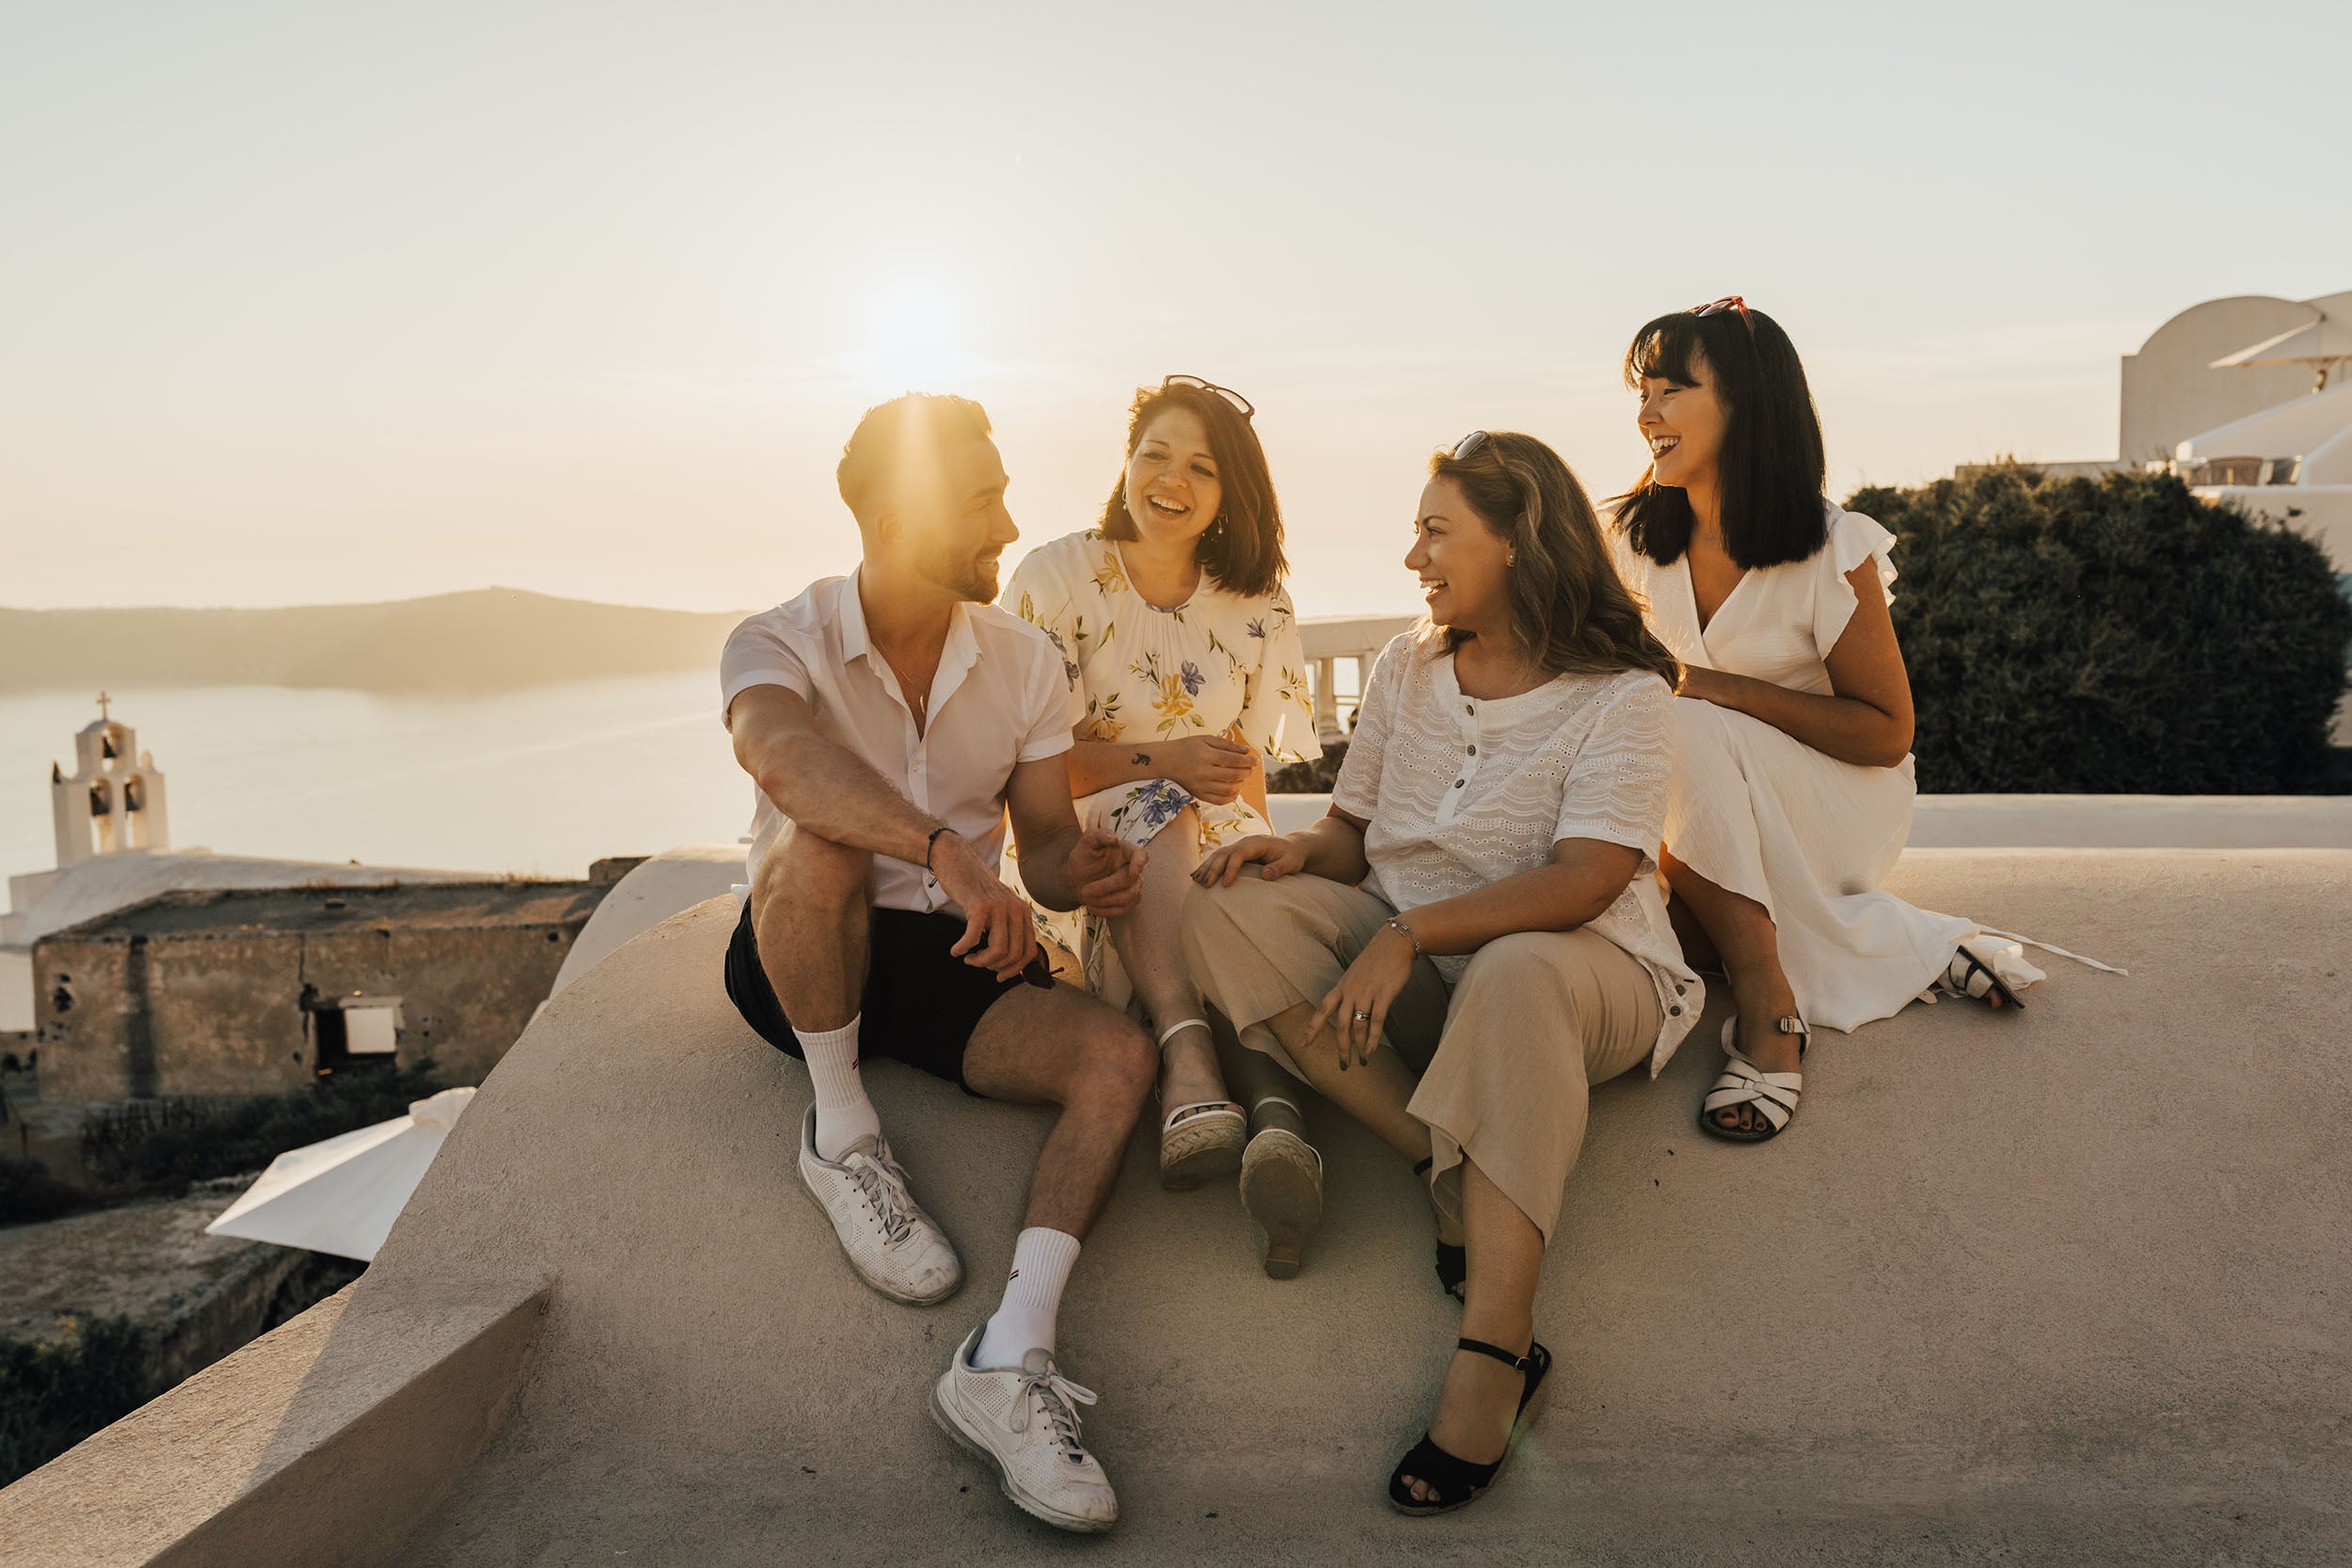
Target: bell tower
(114,799)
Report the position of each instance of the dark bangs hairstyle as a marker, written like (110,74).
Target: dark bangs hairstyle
(1571,614)
(1242,550)
(1770,468)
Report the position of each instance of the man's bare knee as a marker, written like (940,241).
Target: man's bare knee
(812,871)
(1117,1067)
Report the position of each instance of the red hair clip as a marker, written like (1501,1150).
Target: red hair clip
(1729,302)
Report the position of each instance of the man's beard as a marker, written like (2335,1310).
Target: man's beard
(967,577)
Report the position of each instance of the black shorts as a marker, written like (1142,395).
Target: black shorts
(921,1001)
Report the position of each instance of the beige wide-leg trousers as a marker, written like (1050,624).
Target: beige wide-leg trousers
(1507,1057)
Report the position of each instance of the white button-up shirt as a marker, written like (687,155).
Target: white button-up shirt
(1000,698)
(1461,791)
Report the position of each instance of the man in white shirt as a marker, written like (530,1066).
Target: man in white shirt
(892,720)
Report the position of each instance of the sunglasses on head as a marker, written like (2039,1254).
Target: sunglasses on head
(1466,445)
(1225,392)
(1729,302)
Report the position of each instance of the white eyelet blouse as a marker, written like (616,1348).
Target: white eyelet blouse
(1461,791)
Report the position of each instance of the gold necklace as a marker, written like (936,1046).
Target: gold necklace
(914,699)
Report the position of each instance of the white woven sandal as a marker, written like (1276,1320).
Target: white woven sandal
(1774,1095)
(1200,1141)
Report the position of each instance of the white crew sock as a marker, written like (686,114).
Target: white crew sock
(844,1115)
(1024,1319)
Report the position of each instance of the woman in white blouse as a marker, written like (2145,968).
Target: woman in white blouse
(1187,682)
(1472,937)
(1794,784)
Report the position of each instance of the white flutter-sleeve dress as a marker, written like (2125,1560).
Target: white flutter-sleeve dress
(1220,663)
(1757,811)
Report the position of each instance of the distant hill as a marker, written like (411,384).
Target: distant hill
(489,640)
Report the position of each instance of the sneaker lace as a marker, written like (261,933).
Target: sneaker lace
(884,1186)
(1050,1395)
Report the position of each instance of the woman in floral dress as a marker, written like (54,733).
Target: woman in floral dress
(1189,681)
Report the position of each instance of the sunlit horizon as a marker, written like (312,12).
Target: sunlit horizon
(323,308)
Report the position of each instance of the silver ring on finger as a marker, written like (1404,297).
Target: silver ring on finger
(1362,1017)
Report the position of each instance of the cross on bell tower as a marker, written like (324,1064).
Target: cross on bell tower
(114,799)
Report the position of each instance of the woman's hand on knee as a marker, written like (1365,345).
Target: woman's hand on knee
(1358,1007)
(1276,857)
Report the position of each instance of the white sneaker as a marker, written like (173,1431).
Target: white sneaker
(894,1246)
(1023,1421)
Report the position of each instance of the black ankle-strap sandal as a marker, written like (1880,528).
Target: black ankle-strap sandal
(1458,1481)
(1453,1261)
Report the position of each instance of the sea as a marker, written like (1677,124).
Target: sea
(539,782)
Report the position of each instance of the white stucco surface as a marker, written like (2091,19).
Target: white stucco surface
(2053,1287)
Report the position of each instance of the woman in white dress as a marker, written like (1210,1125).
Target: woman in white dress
(1793,782)
(1188,680)
(1474,937)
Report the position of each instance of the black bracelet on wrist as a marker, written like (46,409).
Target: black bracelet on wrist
(932,844)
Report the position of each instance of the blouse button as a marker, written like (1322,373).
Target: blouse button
(1473,751)
(1470,707)
(1459,782)
(1675,1011)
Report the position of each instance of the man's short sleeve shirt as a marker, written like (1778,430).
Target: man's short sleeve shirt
(998,700)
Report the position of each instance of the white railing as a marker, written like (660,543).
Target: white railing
(1329,639)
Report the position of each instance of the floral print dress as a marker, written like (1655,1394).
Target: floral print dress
(1218,664)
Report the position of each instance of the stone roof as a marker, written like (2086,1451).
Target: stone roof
(218,912)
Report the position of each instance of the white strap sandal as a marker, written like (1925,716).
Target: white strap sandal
(1771,1095)
(1202,1140)
(1969,976)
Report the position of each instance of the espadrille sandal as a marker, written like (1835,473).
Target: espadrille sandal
(1200,1141)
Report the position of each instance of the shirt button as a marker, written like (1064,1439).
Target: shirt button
(1470,707)
(1459,782)
(1473,751)
(1675,1011)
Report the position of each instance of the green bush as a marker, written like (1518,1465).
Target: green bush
(54,1394)
(2111,635)
(29,1192)
(150,1146)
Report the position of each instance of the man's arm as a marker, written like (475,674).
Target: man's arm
(1062,867)
(821,786)
(828,791)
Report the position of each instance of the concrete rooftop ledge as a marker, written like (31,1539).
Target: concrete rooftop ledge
(2059,1286)
(2076,821)
(307,1447)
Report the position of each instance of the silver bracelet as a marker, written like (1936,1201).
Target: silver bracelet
(1396,923)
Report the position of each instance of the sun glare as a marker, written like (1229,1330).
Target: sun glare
(912,340)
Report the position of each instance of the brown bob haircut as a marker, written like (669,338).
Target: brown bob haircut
(1242,551)
(1571,614)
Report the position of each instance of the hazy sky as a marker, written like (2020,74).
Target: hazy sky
(311,301)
